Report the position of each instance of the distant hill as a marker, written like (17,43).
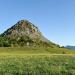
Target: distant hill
(70,47)
(24,33)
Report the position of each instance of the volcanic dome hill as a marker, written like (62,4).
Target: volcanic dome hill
(24,33)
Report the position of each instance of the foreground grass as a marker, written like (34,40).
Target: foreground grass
(37,65)
(37,61)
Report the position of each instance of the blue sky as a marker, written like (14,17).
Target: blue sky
(55,18)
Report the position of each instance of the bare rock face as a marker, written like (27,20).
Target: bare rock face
(24,31)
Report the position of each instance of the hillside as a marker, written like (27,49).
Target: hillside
(24,33)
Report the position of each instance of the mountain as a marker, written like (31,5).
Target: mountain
(24,33)
(70,47)
(24,28)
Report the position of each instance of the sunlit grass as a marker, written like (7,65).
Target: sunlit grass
(37,65)
(37,61)
(34,50)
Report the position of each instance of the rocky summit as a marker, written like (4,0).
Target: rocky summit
(24,33)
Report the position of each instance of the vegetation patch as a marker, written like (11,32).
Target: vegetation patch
(37,65)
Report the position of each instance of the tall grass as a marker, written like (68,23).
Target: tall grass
(37,65)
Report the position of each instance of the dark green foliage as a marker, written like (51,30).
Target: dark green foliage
(4,42)
(62,47)
(1,41)
(22,41)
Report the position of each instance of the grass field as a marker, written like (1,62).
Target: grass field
(37,61)
(33,50)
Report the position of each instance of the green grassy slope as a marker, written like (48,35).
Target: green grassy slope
(37,65)
(34,50)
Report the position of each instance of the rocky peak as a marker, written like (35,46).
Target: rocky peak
(26,24)
(24,31)
(23,27)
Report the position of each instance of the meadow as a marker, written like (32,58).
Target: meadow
(33,50)
(36,61)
